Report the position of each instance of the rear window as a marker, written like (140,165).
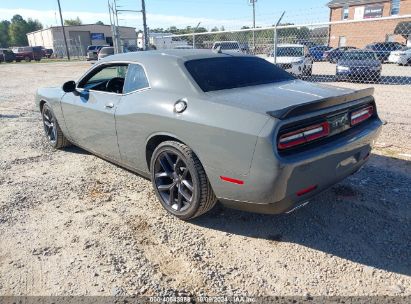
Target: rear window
(359,56)
(109,51)
(213,74)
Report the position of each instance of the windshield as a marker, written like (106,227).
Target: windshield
(358,56)
(212,74)
(290,51)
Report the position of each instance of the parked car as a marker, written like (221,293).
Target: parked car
(401,57)
(335,54)
(317,52)
(27,53)
(105,51)
(293,58)
(383,49)
(93,50)
(48,53)
(227,46)
(359,65)
(207,126)
(7,55)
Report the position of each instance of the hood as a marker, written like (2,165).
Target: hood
(357,63)
(287,59)
(277,96)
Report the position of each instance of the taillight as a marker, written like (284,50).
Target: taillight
(361,115)
(304,135)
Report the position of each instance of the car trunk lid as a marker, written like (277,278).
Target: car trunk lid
(280,100)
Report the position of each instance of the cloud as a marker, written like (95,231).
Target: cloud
(51,18)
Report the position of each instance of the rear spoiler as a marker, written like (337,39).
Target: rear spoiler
(296,110)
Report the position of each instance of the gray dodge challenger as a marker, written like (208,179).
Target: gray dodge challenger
(208,126)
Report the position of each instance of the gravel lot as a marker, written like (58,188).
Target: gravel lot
(74,224)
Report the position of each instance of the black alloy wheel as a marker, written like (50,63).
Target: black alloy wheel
(49,123)
(52,129)
(174,181)
(180,182)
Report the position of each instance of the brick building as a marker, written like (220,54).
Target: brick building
(369,21)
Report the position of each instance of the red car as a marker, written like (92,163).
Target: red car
(28,53)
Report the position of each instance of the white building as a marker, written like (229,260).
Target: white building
(79,37)
(160,41)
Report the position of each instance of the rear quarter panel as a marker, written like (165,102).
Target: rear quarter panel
(223,137)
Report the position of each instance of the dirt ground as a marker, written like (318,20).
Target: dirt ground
(74,224)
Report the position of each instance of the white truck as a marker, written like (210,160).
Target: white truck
(294,58)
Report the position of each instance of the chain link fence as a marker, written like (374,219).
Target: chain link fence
(369,50)
(76,49)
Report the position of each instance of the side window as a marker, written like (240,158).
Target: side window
(136,79)
(108,79)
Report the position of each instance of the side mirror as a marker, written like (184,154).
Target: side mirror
(69,86)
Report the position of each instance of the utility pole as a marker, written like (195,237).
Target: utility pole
(194,35)
(143,10)
(253,3)
(276,37)
(64,32)
(116,27)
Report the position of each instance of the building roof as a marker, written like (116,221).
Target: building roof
(340,3)
(73,26)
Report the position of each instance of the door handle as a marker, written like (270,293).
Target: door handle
(109,105)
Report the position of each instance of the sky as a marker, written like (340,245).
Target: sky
(232,14)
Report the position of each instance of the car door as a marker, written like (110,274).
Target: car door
(132,122)
(89,111)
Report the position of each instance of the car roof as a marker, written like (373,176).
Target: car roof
(172,54)
(359,51)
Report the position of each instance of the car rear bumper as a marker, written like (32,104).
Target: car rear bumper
(291,181)
(360,74)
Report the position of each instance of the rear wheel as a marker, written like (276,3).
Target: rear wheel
(52,129)
(180,181)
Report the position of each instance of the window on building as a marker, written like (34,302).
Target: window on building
(395,7)
(345,12)
(342,41)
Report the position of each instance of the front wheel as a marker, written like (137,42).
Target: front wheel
(27,59)
(52,129)
(180,181)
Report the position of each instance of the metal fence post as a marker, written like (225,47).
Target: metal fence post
(194,40)
(275,45)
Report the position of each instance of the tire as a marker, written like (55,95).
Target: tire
(52,129)
(308,71)
(27,59)
(175,169)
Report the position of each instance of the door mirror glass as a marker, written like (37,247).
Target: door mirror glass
(69,86)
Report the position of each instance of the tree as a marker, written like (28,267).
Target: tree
(17,31)
(4,33)
(100,22)
(76,21)
(33,25)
